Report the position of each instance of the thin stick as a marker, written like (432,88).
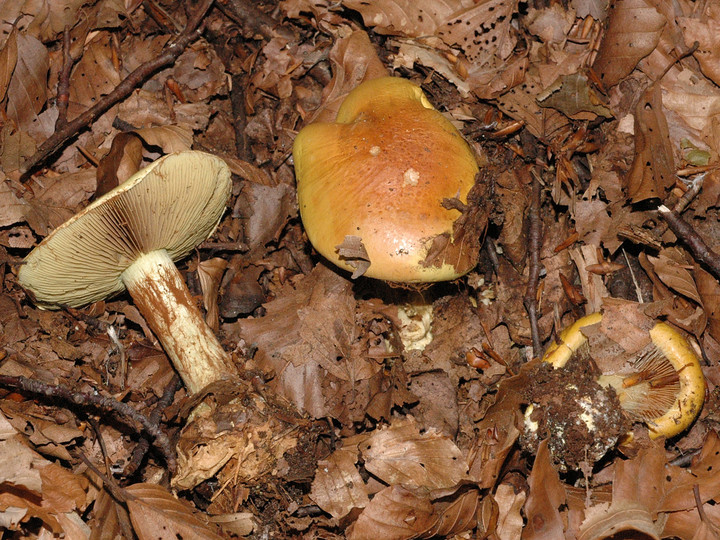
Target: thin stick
(689,236)
(162,442)
(143,445)
(169,54)
(247,15)
(534,245)
(63,88)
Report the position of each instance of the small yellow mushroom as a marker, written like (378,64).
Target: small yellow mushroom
(666,389)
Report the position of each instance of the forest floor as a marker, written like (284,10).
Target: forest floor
(361,409)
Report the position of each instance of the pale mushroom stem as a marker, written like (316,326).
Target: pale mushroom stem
(162,297)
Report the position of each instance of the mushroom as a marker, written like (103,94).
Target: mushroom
(129,239)
(379,189)
(666,386)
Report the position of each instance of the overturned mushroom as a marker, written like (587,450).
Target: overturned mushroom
(381,189)
(665,388)
(129,239)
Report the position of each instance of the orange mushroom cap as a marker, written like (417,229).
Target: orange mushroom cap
(379,175)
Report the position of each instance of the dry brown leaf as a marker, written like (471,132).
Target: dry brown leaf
(652,172)
(27,90)
(680,483)
(62,490)
(169,138)
(263,211)
(105,522)
(248,171)
(338,488)
(573,96)
(709,291)
(692,106)
(394,514)
(513,200)
(12,209)
(705,29)
(8,59)
(318,353)
(210,273)
(94,76)
(483,31)
(456,517)
(352,250)
(670,268)
(545,497)
(19,465)
(497,433)
(638,489)
(400,454)
(57,198)
(120,163)
(690,523)
(510,521)
(354,60)
(157,515)
(520,104)
(216,442)
(409,18)
(634,29)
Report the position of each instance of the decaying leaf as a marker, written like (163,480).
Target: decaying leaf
(156,514)
(338,487)
(400,454)
(633,32)
(653,169)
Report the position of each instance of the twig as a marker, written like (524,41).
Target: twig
(534,245)
(168,55)
(63,88)
(237,100)
(251,18)
(162,442)
(143,445)
(697,246)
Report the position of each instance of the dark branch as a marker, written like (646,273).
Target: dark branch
(162,442)
(534,245)
(689,236)
(169,54)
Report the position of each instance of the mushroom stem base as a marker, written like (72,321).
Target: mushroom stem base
(162,297)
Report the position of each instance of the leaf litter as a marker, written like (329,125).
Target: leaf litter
(366,410)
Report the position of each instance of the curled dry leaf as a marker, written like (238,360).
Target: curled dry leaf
(400,454)
(637,494)
(652,173)
(395,513)
(705,29)
(409,18)
(510,521)
(338,488)
(546,495)
(483,31)
(210,273)
(157,515)
(8,59)
(354,61)
(27,91)
(634,29)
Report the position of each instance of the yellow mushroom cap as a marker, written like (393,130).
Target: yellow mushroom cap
(690,399)
(379,174)
(669,390)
